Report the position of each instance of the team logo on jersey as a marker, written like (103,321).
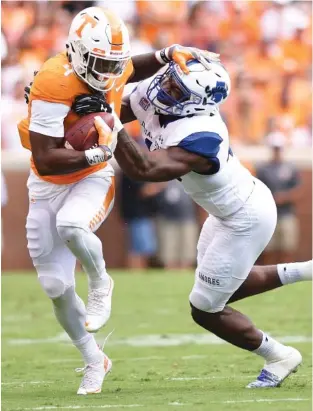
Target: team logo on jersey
(157,143)
(144,103)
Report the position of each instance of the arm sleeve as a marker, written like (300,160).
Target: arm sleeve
(48,118)
(204,143)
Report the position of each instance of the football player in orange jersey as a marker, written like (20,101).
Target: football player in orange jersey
(72,192)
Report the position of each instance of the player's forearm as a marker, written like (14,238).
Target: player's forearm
(127,114)
(60,161)
(145,65)
(131,158)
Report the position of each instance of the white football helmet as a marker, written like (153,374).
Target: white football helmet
(98,47)
(199,92)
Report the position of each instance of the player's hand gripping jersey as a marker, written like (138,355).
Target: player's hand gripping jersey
(57,85)
(229,184)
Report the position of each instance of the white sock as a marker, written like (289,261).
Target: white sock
(294,272)
(88,348)
(270,349)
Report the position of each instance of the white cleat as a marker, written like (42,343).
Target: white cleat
(94,375)
(98,308)
(275,372)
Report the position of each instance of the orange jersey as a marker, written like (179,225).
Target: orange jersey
(56,82)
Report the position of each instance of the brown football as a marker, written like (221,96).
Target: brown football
(83,135)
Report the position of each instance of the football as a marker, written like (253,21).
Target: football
(83,135)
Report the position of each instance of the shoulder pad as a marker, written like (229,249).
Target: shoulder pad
(56,82)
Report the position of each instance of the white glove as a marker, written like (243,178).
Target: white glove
(181,55)
(107,137)
(118,126)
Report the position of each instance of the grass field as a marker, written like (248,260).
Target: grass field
(161,360)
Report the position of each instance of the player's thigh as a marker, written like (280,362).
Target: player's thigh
(49,254)
(238,241)
(88,204)
(188,241)
(206,237)
(290,232)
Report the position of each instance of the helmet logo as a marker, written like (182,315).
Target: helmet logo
(217,93)
(87,20)
(99,51)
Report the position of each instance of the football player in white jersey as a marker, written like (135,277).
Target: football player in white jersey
(188,140)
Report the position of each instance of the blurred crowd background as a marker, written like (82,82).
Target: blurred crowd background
(265,45)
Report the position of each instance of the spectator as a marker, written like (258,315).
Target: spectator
(4,47)
(125,9)
(283,180)
(266,47)
(201,33)
(281,18)
(138,206)
(162,22)
(4,201)
(241,25)
(177,228)
(10,136)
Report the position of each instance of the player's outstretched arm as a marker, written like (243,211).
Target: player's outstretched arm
(159,165)
(145,65)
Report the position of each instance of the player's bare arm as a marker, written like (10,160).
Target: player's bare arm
(159,165)
(51,158)
(127,114)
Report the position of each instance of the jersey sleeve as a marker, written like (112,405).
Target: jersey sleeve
(48,118)
(203,143)
(51,87)
(204,136)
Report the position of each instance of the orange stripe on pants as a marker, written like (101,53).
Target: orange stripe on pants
(102,213)
(110,195)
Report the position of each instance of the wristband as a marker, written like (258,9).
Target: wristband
(98,155)
(162,56)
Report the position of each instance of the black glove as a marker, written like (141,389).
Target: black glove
(90,103)
(27,89)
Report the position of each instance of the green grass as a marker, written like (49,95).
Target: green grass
(155,303)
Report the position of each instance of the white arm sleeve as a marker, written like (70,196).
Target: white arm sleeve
(48,118)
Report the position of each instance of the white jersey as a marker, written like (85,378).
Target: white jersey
(228,186)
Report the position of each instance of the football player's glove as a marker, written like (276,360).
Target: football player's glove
(107,141)
(90,103)
(27,89)
(181,55)
(107,137)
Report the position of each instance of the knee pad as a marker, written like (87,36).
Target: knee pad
(206,299)
(69,233)
(53,280)
(53,287)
